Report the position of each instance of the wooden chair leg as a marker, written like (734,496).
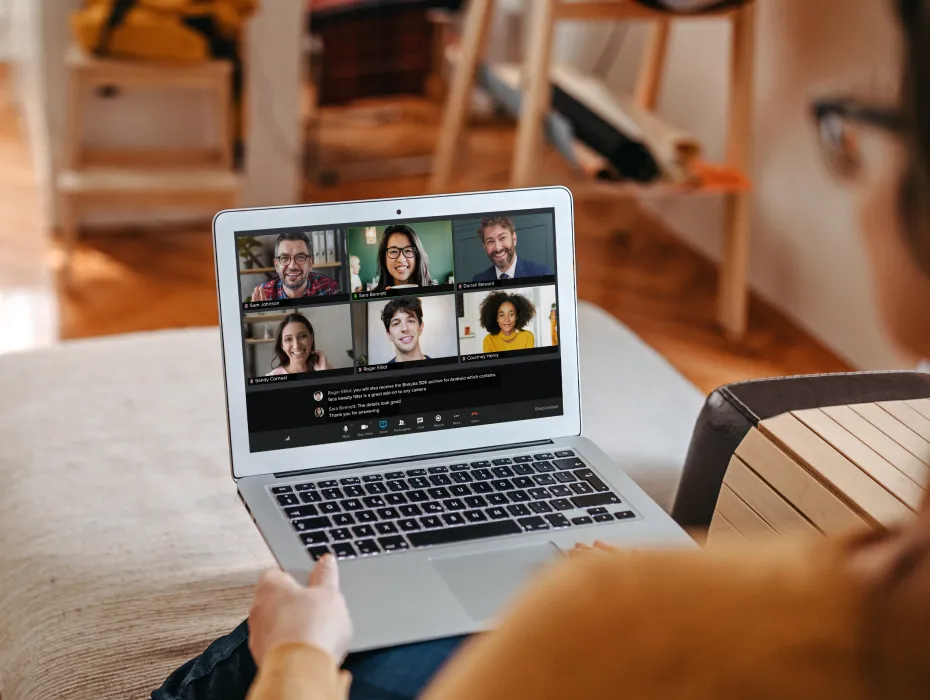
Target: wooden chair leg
(733,293)
(477,20)
(69,234)
(650,73)
(223,120)
(441,22)
(537,93)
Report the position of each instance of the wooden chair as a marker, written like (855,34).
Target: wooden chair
(732,305)
(143,179)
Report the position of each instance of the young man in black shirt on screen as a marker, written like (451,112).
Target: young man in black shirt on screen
(403,322)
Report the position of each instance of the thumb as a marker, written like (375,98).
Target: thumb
(325,574)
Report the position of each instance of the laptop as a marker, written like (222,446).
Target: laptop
(402,385)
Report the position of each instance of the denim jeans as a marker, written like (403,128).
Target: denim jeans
(225,670)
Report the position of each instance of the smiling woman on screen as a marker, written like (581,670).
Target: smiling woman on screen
(295,348)
(504,316)
(402,261)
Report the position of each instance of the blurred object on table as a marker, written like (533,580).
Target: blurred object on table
(185,30)
(374,48)
(362,49)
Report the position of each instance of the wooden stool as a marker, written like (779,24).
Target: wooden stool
(732,304)
(147,178)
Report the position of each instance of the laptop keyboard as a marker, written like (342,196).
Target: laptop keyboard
(425,507)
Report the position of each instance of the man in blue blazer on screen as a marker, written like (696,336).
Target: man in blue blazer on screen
(499,238)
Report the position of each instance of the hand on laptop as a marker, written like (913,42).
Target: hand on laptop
(283,612)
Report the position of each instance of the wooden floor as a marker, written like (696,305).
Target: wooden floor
(146,280)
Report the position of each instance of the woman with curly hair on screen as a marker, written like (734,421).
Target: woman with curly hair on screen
(504,316)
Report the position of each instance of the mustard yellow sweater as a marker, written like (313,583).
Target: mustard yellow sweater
(779,622)
(521,340)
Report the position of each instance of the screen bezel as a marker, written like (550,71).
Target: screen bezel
(227,223)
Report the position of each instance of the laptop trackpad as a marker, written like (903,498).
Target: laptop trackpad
(485,581)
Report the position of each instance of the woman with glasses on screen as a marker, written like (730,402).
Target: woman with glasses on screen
(402,261)
(847,617)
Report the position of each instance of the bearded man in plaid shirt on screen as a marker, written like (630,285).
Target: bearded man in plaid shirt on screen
(293,261)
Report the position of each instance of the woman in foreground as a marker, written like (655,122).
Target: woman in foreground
(844,619)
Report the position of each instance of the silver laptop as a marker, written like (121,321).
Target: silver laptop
(402,383)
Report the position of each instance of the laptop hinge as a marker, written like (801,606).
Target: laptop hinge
(418,458)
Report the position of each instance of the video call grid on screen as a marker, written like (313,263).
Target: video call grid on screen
(440,326)
(472,268)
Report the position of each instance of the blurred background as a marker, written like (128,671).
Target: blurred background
(117,149)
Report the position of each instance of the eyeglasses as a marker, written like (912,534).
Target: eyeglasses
(394,253)
(285,260)
(843,139)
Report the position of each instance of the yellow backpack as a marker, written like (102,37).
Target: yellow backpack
(160,30)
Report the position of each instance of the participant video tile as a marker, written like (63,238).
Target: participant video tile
(405,332)
(507,321)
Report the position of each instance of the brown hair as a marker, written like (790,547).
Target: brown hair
(502,221)
(299,236)
(914,16)
(409,305)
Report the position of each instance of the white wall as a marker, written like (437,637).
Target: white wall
(29,64)
(174,119)
(806,256)
(275,85)
(438,339)
(6,35)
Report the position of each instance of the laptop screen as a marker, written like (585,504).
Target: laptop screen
(370,329)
